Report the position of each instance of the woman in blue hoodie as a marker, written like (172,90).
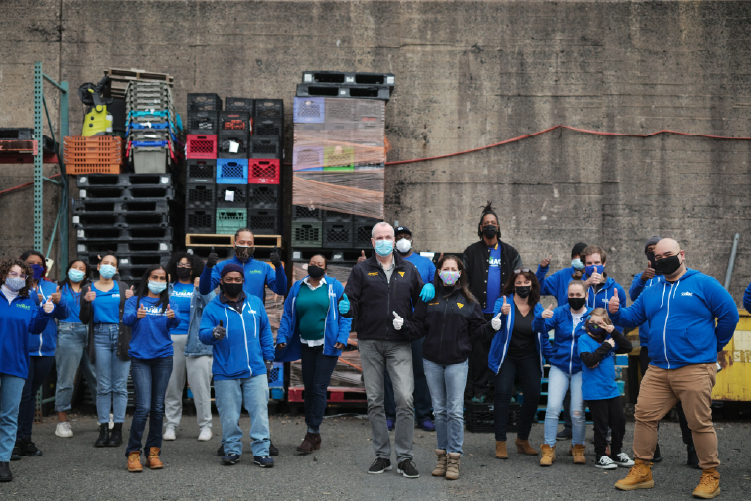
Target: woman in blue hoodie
(150,314)
(312,331)
(565,370)
(19,316)
(41,352)
(600,287)
(517,350)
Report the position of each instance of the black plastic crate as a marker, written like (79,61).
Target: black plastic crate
(231,195)
(350,78)
(203,123)
(268,108)
(235,121)
(268,127)
(337,235)
(362,232)
(226,138)
(265,147)
(162,234)
(480,417)
(115,206)
(264,221)
(198,101)
(201,171)
(305,213)
(147,247)
(380,92)
(124,180)
(200,195)
(18,134)
(200,221)
(305,234)
(127,193)
(263,196)
(332,216)
(239,104)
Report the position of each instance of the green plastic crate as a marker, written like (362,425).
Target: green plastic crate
(307,234)
(339,158)
(228,221)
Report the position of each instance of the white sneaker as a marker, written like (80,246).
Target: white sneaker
(622,459)
(112,421)
(169,433)
(606,463)
(205,434)
(63,430)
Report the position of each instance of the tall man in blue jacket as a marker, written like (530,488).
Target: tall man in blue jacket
(683,344)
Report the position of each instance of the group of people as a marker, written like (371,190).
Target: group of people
(418,326)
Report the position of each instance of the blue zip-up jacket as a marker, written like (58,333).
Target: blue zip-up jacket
(502,338)
(336,330)
(248,342)
(555,285)
(637,287)
(566,356)
(194,347)
(601,298)
(46,344)
(257,274)
(17,320)
(150,336)
(681,317)
(598,383)
(747,299)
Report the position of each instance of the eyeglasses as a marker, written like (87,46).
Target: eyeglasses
(16,275)
(183,265)
(519,270)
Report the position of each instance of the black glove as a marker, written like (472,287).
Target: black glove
(274,258)
(213,258)
(219,331)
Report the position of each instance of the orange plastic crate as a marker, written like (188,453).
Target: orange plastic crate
(92,168)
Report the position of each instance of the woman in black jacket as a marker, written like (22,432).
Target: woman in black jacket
(448,322)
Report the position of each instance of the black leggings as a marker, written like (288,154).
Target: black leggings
(527,367)
(606,414)
(39,369)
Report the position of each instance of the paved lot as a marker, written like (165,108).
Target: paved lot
(74,469)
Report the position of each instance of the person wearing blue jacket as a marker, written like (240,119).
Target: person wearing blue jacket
(41,352)
(236,324)
(312,330)
(565,368)
(20,315)
(649,276)
(257,274)
(691,318)
(556,285)
(517,350)
(150,314)
(600,287)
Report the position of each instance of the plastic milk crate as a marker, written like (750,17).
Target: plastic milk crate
(200,195)
(306,234)
(263,196)
(228,221)
(263,171)
(231,195)
(231,171)
(200,220)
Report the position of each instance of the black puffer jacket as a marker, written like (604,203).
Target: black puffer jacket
(448,323)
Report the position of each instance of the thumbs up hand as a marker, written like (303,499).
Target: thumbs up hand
(90,296)
(170,312)
(129,292)
(219,331)
(548,313)
(506,308)
(648,274)
(274,258)
(55,297)
(614,305)
(362,257)
(141,313)
(398,321)
(48,306)
(495,322)
(546,262)
(344,305)
(213,259)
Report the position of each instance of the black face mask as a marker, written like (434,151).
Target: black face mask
(668,265)
(595,330)
(315,271)
(489,231)
(577,303)
(523,291)
(651,259)
(244,253)
(232,289)
(184,273)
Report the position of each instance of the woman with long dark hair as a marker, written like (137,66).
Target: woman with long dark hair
(150,314)
(71,345)
(191,357)
(517,350)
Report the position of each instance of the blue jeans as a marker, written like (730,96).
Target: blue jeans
(39,369)
(316,376)
(111,374)
(11,388)
(231,394)
(447,383)
(421,393)
(558,382)
(70,353)
(150,379)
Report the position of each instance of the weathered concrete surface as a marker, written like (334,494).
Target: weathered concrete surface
(469,74)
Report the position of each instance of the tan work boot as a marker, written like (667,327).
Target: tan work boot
(523,447)
(452,472)
(709,484)
(500,450)
(578,452)
(639,477)
(153,459)
(548,455)
(134,462)
(440,469)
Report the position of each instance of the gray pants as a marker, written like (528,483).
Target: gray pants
(198,372)
(396,358)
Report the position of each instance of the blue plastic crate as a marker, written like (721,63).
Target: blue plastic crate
(276,376)
(621,360)
(276,393)
(309,110)
(231,170)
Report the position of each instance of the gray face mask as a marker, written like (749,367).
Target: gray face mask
(15,283)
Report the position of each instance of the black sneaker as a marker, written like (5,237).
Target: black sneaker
(407,469)
(17,453)
(231,458)
(220,451)
(273,451)
(263,461)
(28,448)
(379,466)
(564,434)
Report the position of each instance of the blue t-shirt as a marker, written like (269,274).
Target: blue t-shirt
(73,300)
(494,277)
(598,383)
(106,305)
(424,266)
(181,294)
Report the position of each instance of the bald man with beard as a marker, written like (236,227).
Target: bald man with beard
(683,344)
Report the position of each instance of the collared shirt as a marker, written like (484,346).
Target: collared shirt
(322,282)
(235,305)
(390,269)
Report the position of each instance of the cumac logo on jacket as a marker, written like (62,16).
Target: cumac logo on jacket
(24,306)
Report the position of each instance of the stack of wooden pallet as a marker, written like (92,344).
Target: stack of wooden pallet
(121,78)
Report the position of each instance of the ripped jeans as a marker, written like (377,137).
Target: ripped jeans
(558,382)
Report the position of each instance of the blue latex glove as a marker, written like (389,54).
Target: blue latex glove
(344,305)
(427,293)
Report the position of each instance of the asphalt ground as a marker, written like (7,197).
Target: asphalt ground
(73,469)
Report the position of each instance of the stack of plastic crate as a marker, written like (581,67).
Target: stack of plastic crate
(264,167)
(93,154)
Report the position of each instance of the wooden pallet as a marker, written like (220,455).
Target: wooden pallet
(228,240)
(116,74)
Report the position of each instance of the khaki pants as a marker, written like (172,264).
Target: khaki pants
(660,390)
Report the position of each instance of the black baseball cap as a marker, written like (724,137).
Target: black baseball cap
(402,229)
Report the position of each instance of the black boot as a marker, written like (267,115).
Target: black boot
(5,474)
(273,451)
(16,454)
(28,448)
(104,435)
(657,456)
(116,436)
(693,459)
(220,451)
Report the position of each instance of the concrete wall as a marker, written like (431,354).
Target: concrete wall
(468,74)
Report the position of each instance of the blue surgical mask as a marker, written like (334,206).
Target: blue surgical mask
(107,271)
(38,271)
(75,275)
(384,247)
(577,264)
(157,287)
(595,268)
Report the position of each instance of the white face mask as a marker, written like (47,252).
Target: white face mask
(403,245)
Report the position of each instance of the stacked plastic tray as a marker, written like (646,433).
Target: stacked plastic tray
(93,154)
(152,126)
